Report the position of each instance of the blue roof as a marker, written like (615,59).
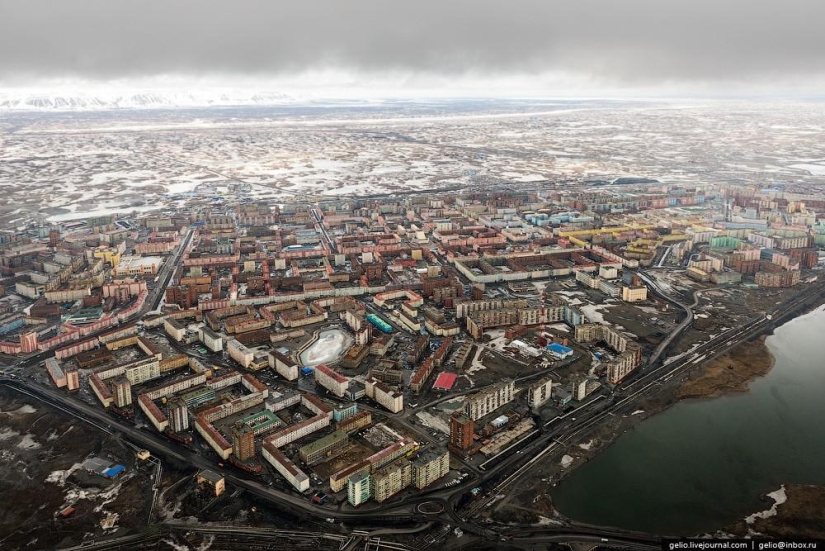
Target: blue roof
(558,348)
(114,471)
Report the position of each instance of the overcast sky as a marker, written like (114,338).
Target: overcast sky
(530,46)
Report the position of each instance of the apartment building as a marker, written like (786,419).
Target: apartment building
(391,479)
(385,396)
(429,466)
(487,401)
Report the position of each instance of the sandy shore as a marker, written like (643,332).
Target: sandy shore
(731,372)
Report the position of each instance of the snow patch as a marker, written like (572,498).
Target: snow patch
(566,461)
(60,477)
(433,422)
(779,497)
(28,443)
(587,445)
(109,521)
(7,433)
(594,312)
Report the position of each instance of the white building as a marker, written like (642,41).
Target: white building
(384,395)
(240,353)
(359,489)
(331,380)
(174,329)
(539,392)
(210,339)
(284,365)
(286,468)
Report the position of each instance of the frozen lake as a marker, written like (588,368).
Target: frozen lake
(329,346)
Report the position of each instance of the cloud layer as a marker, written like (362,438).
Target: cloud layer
(611,43)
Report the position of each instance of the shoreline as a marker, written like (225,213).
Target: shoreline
(797,515)
(713,379)
(731,373)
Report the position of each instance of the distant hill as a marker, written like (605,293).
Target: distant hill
(144,99)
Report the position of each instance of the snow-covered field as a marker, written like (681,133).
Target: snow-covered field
(70,165)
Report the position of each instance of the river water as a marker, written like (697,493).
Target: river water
(703,464)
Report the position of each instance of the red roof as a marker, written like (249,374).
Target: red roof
(337,377)
(445,381)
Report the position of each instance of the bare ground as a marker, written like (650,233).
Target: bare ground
(731,372)
(801,516)
(39,441)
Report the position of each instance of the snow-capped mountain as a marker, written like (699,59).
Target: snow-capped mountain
(143,99)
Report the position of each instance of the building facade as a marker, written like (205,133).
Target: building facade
(359,489)
(429,466)
(461,431)
(487,401)
(391,479)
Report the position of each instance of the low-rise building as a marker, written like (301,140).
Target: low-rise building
(212,481)
(323,448)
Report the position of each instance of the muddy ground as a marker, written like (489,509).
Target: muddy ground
(40,452)
(529,501)
(802,515)
(731,372)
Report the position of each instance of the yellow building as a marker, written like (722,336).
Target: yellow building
(634,294)
(212,481)
(107,254)
(389,480)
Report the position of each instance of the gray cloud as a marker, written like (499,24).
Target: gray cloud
(625,42)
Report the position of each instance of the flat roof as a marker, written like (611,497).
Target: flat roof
(445,381)
(321,443)
(211,476)
(556,347)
